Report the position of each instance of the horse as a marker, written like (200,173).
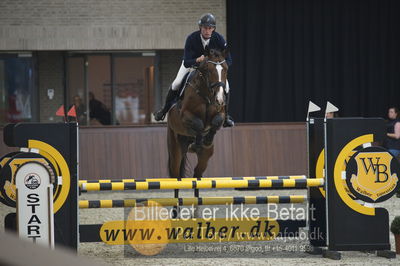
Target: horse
(197,116)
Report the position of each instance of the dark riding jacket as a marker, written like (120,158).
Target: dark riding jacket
(194,47)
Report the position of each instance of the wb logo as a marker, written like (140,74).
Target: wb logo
(379,170)
(372,174)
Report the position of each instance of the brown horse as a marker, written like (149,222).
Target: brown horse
(195,119)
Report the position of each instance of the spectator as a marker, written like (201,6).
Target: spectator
(392,141)
(80,109)
(126,107)
(330,115)
(99,110)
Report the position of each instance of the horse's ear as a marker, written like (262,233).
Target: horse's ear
(206,51)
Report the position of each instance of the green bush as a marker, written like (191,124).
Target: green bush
(395,226)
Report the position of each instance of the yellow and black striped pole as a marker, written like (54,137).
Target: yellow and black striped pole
(89,204)
(204,184)
(191,179)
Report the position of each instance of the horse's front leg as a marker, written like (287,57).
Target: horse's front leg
(202,161)
(197,145)
(216,124)
(195,127)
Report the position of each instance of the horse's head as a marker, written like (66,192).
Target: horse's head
(214,69)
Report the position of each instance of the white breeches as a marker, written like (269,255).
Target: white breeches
(181,73)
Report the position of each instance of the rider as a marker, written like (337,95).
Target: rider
(193,56)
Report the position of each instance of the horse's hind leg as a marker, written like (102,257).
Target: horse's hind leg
(175,158)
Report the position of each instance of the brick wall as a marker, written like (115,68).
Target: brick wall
(102,24)
(50,76)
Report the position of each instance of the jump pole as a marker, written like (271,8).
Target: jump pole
(190,179)
(90,204)
(204,184)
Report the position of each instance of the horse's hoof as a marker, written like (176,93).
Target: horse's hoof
(194,148)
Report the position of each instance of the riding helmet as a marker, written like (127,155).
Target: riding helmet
(207,20)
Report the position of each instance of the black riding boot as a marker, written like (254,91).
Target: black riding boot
(171,97)
(228,119)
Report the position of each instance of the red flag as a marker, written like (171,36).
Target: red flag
(72,111)
(60,111)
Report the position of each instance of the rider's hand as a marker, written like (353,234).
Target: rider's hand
(200,59)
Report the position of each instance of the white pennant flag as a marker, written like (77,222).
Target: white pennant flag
(330,108)
(312,107)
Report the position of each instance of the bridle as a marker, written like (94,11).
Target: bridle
(215,84)
(210,86)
